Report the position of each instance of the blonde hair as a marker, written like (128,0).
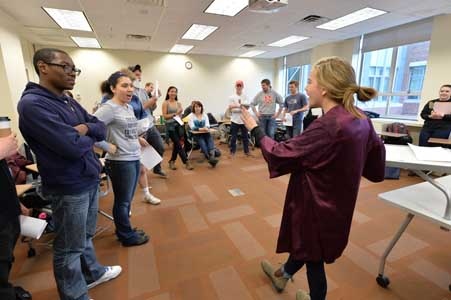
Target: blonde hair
(337,77)
(128,73)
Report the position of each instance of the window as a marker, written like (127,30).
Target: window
(298,73)
(398,74)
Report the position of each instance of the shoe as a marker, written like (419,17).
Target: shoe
(140,240)
(213,161)
(161,173)
(189,166)
(248,154)
(152,199)
(21,293)
(130,213)
(232,155)
(172,165)
(110,273)
(301,295)
(279,283)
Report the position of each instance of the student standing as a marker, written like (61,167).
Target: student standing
(266,102)
(237,102)
(295,104)
(172,108)
(62,134)
(123,166)
(326,164)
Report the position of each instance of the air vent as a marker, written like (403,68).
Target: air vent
(311,19)
(248,46)
(139,37)
(160,3)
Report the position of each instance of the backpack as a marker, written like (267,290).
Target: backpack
(397,127)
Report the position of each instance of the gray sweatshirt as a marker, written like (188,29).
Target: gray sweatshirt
(266,102)
(122,130)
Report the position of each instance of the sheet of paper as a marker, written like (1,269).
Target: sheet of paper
(32,227)
(156,90)
(288,120)
(317,111)
(177,118)
(442,107)
(431,153)
(150,157)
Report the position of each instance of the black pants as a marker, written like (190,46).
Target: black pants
(177,148)
(9,232)
(315,274)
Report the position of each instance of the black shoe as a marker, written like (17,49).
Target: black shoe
(213,161)
(161,173)
(22,294)
(140,240)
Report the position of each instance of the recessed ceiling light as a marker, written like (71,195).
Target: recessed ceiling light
(288,41)
(86,42)
(252,53)
(198,32)
(69,19)
(227,7)
(179,48)
(352,18)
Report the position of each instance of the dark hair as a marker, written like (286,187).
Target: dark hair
(148,84)
(266,81)
(105,87)
(45,55)
(135,68)
(446,85)
(113,80)
(198,103)
(295,82)
(167,93)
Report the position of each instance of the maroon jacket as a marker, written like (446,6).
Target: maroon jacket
(326,163)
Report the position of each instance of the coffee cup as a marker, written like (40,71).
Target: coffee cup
(5,126)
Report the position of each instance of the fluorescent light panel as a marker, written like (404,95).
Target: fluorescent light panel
(179,48)
(198,32)
(86,42)
(252,53)
(288,41)
(227,7)
(69,19)
(352,18)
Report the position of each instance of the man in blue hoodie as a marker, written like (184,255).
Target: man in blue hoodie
(61,134)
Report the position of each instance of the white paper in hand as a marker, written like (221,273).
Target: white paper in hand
(150,157)
(32,227)
(177,118)
(288,120)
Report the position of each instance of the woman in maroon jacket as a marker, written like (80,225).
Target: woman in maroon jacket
(326,163)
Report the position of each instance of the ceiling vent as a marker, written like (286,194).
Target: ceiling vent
(159,3)
(139,37)
(312,19)
(247,46)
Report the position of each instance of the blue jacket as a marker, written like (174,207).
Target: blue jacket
(66,161)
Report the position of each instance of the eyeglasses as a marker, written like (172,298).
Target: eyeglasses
(67,68)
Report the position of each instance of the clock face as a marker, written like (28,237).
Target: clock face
(188,65)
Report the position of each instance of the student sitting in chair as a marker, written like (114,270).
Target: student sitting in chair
(437,117)
(200,126)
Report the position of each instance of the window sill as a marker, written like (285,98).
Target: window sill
(410,123)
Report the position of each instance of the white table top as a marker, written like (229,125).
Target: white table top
(421,199)
(400,156)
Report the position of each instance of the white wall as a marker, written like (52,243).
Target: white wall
(211,79)
(344,49)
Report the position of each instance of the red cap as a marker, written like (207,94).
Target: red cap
(239,82)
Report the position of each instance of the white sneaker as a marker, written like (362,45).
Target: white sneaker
(110,273)
(152,199)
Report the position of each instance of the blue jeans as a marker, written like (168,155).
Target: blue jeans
(205,143)
(268,124)
(425,134)
(153,137)
(124,178)
(296,129)
(74,259)
(234,128)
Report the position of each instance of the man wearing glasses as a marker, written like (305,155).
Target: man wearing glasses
(61,134)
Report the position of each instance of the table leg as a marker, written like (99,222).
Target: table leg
(382,280)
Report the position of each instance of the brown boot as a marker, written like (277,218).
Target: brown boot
(172,165)
(188,165)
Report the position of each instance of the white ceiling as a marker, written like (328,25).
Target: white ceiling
(112,20)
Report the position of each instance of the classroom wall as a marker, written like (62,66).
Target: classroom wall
(211,79)
(344,49)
